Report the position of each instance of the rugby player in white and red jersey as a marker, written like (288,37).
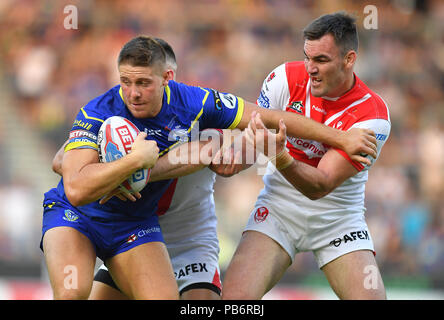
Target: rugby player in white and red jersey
(313,199)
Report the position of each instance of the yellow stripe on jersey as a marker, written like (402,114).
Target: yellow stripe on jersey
(240,112)
(88,117)
(74,145)
(195,119)
(169,148)
(205,97)
(189,129)
(168,93)
(121,94)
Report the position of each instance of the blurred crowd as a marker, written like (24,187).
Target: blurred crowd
(51,71)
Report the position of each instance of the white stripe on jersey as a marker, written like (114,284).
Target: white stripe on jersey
(307,100)
(386,107)
(335,116)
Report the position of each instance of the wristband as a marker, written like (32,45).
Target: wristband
(282,160)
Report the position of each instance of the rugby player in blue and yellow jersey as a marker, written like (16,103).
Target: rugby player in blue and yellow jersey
(76,228)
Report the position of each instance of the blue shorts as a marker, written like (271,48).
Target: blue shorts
(109,237)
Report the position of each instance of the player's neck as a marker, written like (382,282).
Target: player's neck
(156,109)
(347,85)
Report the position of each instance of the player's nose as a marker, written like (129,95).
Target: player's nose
(311,67)
(135,94)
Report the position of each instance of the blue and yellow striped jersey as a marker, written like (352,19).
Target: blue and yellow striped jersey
(184,109)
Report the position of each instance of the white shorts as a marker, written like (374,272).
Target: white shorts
(298,230)
(191,239)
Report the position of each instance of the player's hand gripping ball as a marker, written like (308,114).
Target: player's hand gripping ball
(115,138)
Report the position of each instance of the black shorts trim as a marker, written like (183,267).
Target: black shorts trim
(202,285)
(104,277)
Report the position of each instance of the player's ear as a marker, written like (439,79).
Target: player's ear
(170,74)
(167,76)
(350,58)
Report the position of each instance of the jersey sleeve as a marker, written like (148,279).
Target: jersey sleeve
(221,110)
(274,92)
(85,130)
(381,127)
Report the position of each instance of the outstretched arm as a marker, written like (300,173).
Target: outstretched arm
(354,142)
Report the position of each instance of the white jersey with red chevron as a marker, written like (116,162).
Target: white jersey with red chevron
(288,88)
(185,202)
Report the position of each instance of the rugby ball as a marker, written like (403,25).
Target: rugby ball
(115,138)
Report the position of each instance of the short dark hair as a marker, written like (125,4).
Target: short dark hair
(340,25)
(142,51)
(170,55)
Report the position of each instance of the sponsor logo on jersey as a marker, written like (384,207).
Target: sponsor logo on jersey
(154,132)
(80,140)
(338,125)
(296,106)
(228,100)
(82,133)
(217,102)
(70,216)
(312,149)
(261,214)
(191,268)
(171,124)
(271,76)
(49,205)
(380,136)
(263,100)
(318,109)
(178,134)
(81,124)
(352,236)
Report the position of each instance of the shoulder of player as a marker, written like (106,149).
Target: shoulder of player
(179,94)
(294,70)
(296,73)
(285,78)
(370,104)
(105,105)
